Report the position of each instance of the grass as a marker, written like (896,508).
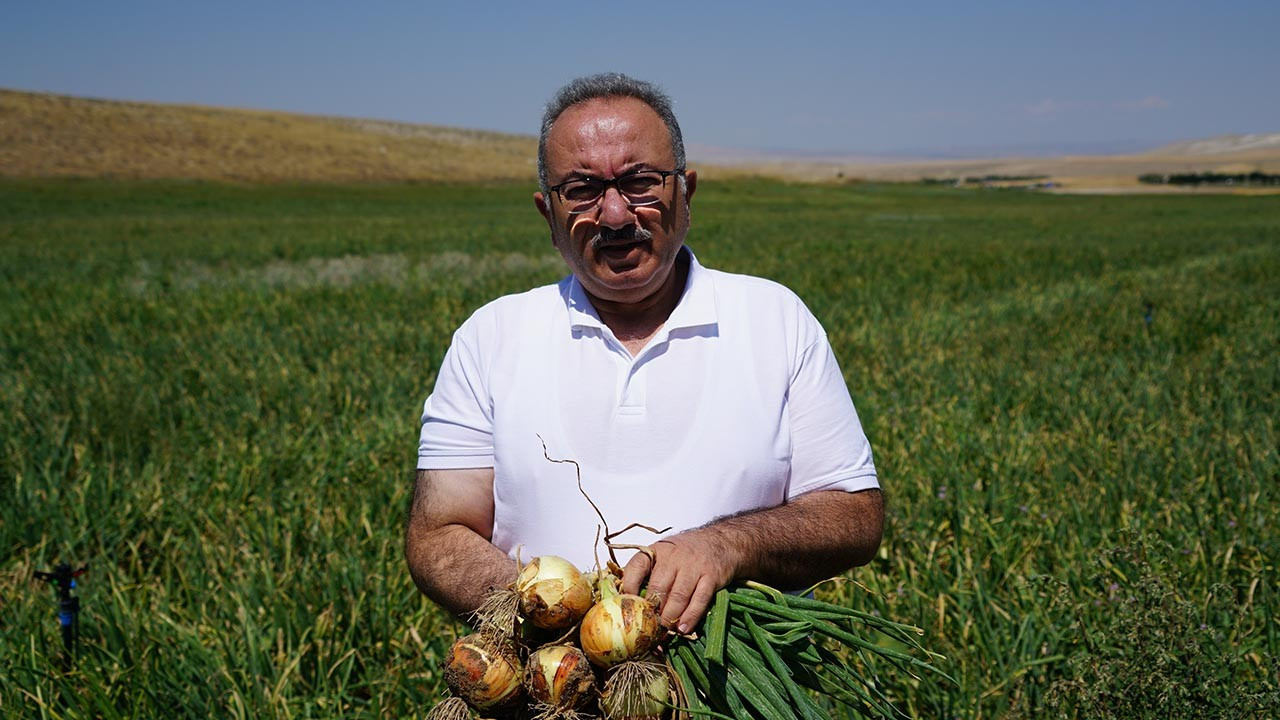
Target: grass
(210,393)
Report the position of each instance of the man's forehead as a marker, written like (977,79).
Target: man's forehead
(626,107)
(621,124)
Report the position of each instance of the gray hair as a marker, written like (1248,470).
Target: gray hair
(608,85)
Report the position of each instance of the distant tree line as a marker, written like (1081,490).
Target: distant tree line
(1210,178)
(981,179)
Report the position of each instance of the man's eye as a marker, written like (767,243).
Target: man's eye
(636,184)
(581,190)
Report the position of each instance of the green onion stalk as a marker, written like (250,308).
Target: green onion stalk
(767,655)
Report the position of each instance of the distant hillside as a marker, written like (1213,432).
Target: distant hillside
(44,135)
(1066,173)
(1222,145)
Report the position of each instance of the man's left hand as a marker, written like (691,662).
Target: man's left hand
(684,575)
(809,538)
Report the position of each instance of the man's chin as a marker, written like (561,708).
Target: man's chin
(626,286)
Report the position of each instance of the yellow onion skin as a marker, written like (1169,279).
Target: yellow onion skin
(553,593)
(560,676)
(620,628)
(483,671)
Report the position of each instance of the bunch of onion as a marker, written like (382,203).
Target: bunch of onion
(485,671)
(619,627)
(552,593)
(636,690)
(559,680)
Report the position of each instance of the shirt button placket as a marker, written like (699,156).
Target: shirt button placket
(633,395)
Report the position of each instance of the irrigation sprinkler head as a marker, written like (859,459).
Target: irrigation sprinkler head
(63,578)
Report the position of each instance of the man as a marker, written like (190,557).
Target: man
(690,398)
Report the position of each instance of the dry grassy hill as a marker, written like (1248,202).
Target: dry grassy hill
(44,135)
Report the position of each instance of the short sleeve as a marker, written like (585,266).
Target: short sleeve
(830,451)
(457,419)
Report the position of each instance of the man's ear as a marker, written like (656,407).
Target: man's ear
(690,184)
(540,200)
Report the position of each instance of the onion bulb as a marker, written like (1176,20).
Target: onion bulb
(636,691)
(619,627)
(484,671)
(559,676)
(553,593)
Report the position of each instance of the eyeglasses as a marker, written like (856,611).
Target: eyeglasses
(638,189)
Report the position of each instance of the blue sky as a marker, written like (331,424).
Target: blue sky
(799,76)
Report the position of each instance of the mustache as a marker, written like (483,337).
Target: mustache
(628,234)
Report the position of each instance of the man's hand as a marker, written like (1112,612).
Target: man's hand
(684,575)
(791,546)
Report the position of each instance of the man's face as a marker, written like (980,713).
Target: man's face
(619,253)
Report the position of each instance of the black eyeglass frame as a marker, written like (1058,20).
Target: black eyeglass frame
(604,188)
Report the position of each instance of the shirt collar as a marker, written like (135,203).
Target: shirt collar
(696,307)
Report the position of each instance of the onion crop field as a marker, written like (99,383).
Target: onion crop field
(209,394)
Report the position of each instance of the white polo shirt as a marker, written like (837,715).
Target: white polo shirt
(736,404)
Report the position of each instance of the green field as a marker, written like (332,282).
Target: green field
(210,394)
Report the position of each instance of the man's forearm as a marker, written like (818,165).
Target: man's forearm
(455,567)
(806,540)
(446,539)
(791,546)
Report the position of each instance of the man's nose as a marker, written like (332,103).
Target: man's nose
(614,211)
